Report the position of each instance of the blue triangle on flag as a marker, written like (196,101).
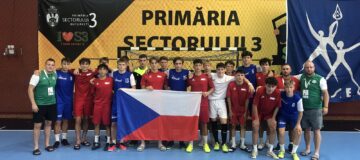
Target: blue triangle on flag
(131,114)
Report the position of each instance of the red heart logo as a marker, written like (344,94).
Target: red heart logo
(67,36)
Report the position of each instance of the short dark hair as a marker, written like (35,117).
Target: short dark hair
(152,59)
(106,59)
(271,81)
(142,56)
(125,58)
(121,60)
(50,59)
(103,66)
(246,53)
(263,61)
(196,61)
(241,71)
(229,62)
(65,59)
(163,58)
(84,60)
(178,59)
(220,65)
(285,64)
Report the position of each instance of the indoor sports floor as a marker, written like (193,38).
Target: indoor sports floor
(17,144)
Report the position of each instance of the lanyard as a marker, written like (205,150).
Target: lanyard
(47,78)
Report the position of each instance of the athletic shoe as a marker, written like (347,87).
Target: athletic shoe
(95,146)
(281,154)
(189,148)
(140,148)
(217,146)
(272,154)
(169,145)
(225,148)
(290,147)
(277,148)
(111,148)
(56,144)
(206,148)
(182,145)
(254,154)
(261,146)
(107,145)
(36,152)
(295,156)
(122,146)
(232,149)
(65,142)
(246,149)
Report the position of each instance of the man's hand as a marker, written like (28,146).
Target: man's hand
(150,88)
(35,108)
(205,94)
(297,129)
(325,110)
(92,80)
(191,75)
(76,71)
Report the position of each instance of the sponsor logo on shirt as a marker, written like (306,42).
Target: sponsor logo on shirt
(118,80)
(314,81)
(89,74)
(184,77)
(159,76)
(243,89)
(62,78)
(127,80)
(107,83)
(203,79)
(272,98)
(293,105)
(262,97)
(234,88)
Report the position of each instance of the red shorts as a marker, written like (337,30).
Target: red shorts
(204,114)
(238,118)
(263,117)
(102,114)
(83,107)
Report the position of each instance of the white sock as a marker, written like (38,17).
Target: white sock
(233,142)
(282,147)
(255,148)
(242,142)
(57,137)
(205,139)
(271,147)
(114,141)
(96,140)
(191,142)
(261,140)
(294,149)
(64,136)
(108,139)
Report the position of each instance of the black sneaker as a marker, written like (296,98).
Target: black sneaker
(65,142)
(277,148)
(107,145)
(56,144)
(169,145)
(290,148)
(182,145)
(95,146)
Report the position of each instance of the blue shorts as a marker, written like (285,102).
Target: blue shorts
(64,111)
(286,120)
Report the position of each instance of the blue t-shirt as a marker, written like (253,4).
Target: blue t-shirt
(289,105)
(177,80)
(250,73)
(121,80)
(64,88)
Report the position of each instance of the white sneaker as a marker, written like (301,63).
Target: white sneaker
(261,146)
(254,154)
(272,155)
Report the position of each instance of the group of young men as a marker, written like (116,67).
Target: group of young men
(230,96)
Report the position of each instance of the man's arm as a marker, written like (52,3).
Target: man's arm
(34,107)
(326,102)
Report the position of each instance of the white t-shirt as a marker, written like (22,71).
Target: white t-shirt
(220,86)
(34,80)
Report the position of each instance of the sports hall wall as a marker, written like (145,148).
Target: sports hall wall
(19,27)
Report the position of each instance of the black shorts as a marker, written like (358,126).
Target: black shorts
(46,112)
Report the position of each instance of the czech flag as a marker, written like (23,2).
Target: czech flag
(157,115)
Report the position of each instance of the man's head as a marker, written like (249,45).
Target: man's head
(122,64)
(246,57)
(230,65)
(65,62)
(270,85)
(285,70)
(309,68)
(104,60)
(265,64)
(50,65)
(84,64)
(143,60)
(153,64)
(163,62)
(207,66)
(197,65)
(220,69)
(103,70)
(239,75)
(289,86)
(178,63)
